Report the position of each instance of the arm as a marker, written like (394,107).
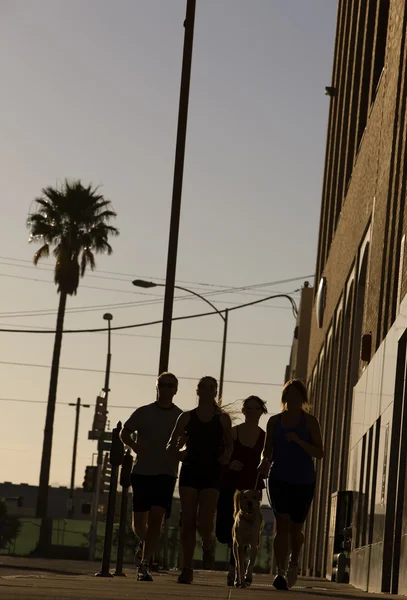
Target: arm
(129,428)
(126,438)
(177,433)
(315,448)
(264,466)
(227,438)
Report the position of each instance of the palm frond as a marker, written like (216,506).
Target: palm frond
(88,258)
(43,252)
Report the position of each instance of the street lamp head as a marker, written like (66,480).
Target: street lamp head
(144,284)
(108,317)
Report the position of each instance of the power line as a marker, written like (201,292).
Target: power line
(178,339)
(148,323)
(129,373)
(127,275)
(59,403)
(225,290)
(125,305)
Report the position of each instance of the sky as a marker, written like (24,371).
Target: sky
(90,90)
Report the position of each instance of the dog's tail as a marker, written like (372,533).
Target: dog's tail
(236,501)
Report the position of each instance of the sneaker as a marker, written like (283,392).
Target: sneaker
(292,575)
(280,583)
(143,573)
(208,557)
(138,555)
(186,576)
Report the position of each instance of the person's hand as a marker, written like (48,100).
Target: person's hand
(236,465)
(182,440)
(181,455)
(225,458)
(264,468)
(137,448)
(291,436)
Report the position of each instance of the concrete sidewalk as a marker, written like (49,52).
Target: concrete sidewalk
(36,579)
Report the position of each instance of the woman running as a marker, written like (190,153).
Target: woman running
(209,445)
(293,440)
(241,473)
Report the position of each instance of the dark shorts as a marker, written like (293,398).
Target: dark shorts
(291,499)
(200,478)
(152,490)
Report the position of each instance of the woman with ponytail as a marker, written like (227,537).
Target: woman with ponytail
(206,431)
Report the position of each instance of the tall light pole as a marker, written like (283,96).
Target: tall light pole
(177,185)
(95,506)
(78,406)
(151,284)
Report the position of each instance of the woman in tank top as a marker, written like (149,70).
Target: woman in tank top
(293,440)
(241,473)
(206,431)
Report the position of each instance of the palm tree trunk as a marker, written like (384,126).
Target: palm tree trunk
(42,499)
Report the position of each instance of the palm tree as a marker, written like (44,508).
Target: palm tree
(74,221)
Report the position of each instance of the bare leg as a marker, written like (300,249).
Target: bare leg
(282,542)
(297,541)
(155,519)
(189,507)
(140,525)
(208,501)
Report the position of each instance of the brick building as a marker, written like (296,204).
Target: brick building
(357,352)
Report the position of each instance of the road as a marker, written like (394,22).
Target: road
(31,579)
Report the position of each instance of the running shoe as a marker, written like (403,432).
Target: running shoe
(292,574)
(143,573)
(186,576)
(280,583)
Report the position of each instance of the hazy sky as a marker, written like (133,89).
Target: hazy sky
(90,90)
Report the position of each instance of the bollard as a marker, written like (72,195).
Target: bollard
(125,484)
(115,459)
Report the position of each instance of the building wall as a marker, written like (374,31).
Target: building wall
(361,257)
(297,367)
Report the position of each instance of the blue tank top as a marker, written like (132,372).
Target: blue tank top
(290,463)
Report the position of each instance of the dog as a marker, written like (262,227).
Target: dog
(246,533)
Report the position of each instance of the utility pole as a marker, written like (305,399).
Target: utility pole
(177,185)
(75,445)
(97,433)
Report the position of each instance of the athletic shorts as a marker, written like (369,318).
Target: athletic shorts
(291,499)
(152,490)
(200,479)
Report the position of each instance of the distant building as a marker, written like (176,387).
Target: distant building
(21,500)
(297,367)
(357,352)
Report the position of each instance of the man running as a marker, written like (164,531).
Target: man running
(155,470)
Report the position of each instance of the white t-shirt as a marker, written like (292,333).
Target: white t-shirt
(154,425)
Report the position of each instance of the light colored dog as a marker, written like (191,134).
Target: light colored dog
(246,533)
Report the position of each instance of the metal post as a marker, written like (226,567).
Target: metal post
(177,185)
(95,505)
(75,445)
(115,459)
(125,484)
(222,364)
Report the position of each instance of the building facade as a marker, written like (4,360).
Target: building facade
(357,350)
